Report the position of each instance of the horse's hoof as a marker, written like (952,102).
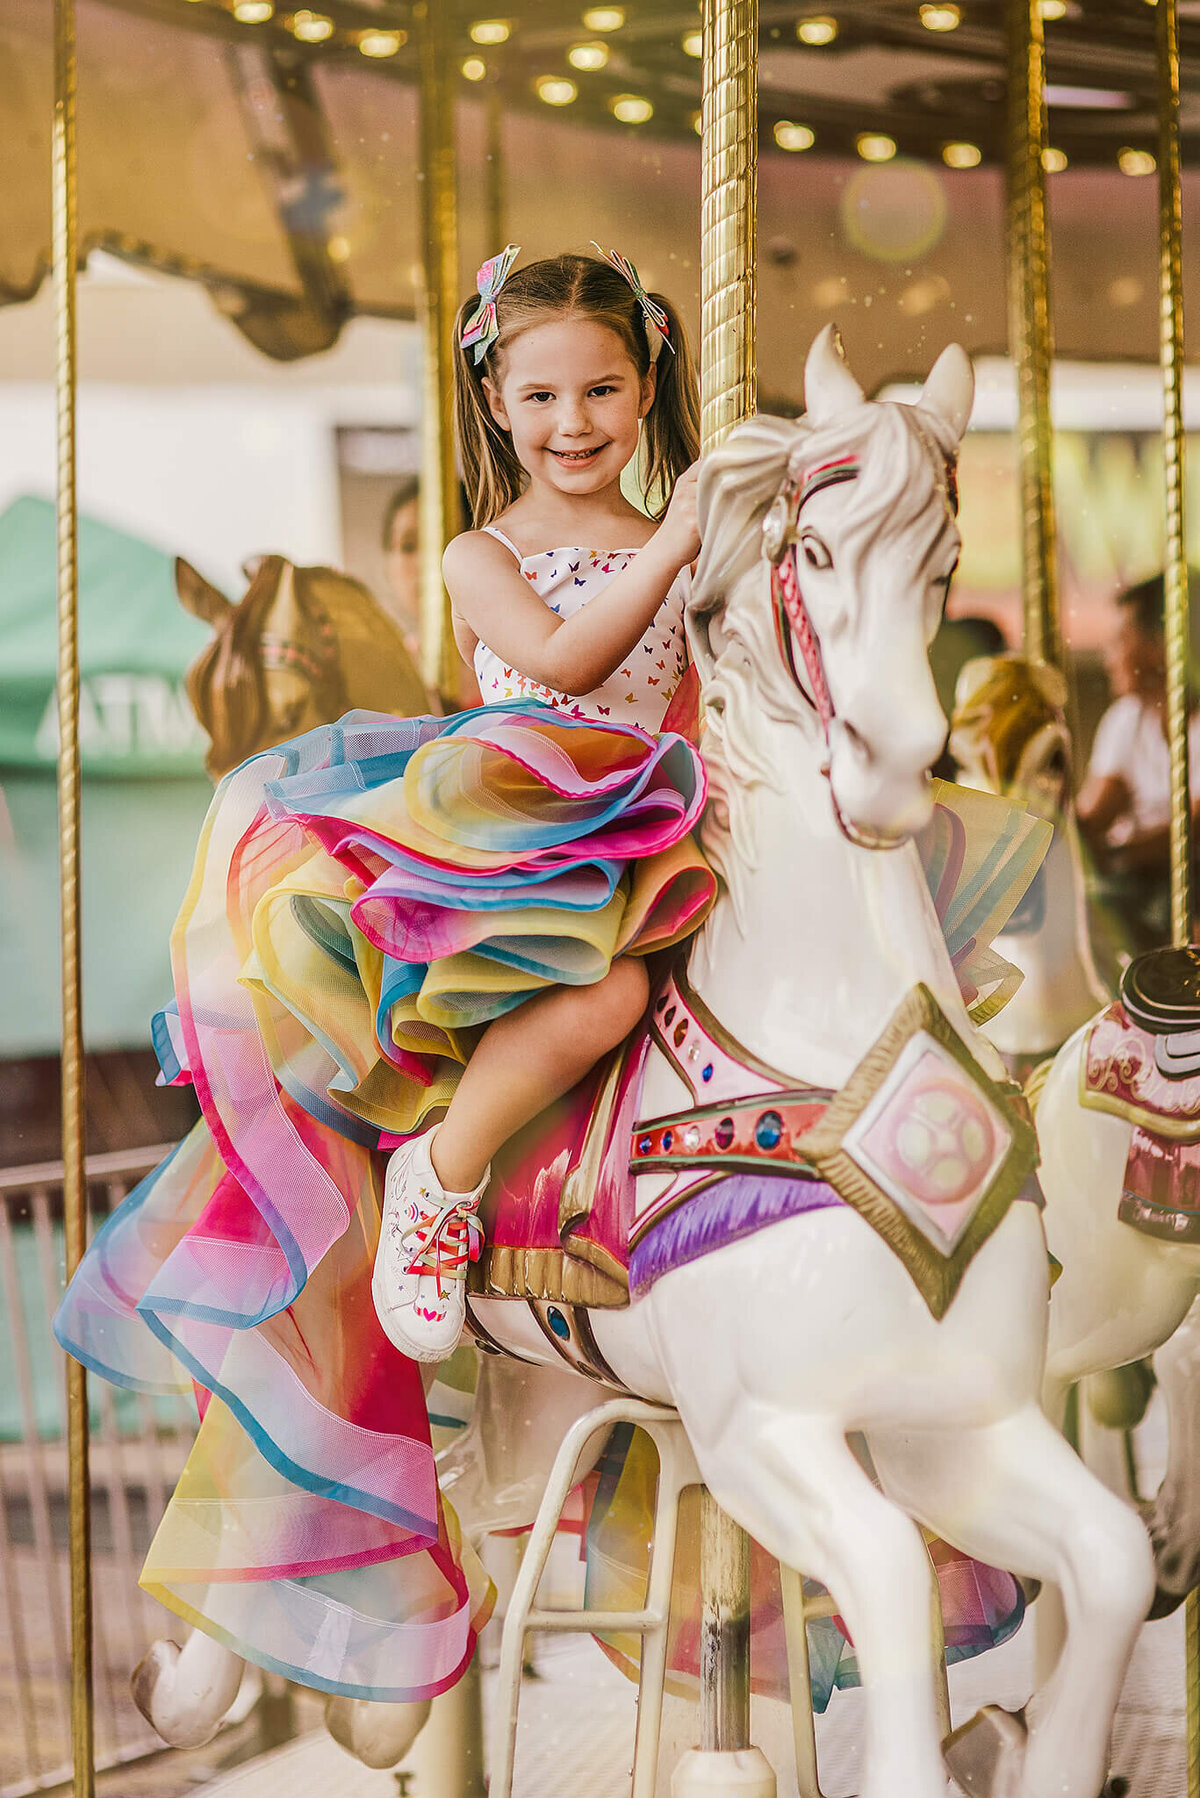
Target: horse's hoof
(376,1734)
(985,1754)
(160,1659)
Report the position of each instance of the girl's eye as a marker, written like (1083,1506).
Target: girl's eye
(603,390)
(539,396)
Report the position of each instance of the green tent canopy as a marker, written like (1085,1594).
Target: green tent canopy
(135,644)
(144,789)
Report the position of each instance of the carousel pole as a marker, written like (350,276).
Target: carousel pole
(494,207)
(1176,612)
(1029,334)
(65,250)
(725,1762)
(447,1761)
(438,501)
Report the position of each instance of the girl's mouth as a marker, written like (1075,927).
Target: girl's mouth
(576,458)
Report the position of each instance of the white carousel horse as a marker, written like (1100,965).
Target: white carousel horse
(1009,735)
(821,725)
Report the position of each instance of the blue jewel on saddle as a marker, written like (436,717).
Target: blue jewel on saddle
(706,1072)
(558,1324)
(645,1144)
(768,1130)
(667,1140)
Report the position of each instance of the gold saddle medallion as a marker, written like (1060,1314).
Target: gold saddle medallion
(926,1146)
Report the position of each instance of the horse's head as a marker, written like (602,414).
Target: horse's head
(303,646)
(1009,731)
(829,545)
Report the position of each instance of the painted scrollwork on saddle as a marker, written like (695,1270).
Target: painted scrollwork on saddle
(1141,1062)
(1142,1055)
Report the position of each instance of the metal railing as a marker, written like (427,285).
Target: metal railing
(139,1446)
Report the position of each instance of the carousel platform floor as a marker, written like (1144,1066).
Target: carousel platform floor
(577,1717)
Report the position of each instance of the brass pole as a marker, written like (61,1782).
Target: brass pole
(65,250)
(1029,335)
(728,239)
(1176,619)
(497,234)
(728,393)
(438,504)
(1175,571)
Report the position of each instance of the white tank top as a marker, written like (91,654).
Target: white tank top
(636,693)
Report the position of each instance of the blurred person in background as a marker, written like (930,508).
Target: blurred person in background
(402,562)
(402,565)
(1124,807)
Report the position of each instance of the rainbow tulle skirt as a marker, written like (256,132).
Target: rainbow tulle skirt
(363,900)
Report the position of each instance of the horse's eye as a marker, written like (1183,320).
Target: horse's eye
(815,552)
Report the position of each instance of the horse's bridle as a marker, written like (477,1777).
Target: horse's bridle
(781,547)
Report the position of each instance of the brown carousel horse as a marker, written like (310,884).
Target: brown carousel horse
(301,647)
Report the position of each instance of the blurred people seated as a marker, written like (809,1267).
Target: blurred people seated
(1124,806)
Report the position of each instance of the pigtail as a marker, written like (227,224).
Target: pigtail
(671,433)
(491,473)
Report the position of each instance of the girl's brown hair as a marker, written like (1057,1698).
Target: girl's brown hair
(585,287)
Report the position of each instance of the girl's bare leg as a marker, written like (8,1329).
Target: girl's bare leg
(527,1059)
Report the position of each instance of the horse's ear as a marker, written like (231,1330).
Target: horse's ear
(829,387)
(973,676)
(950,390)
(198,596)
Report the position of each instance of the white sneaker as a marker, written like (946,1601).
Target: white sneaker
(427,1237)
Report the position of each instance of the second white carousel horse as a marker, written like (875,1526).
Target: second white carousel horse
(894,1282)
(1009,735)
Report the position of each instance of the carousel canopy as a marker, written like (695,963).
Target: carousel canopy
(271,153)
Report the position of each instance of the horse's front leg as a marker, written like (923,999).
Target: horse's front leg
(1014,1495)
(792,1481)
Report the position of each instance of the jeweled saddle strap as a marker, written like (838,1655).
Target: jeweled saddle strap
(762,1130)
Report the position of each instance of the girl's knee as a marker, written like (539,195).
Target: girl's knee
(617,1002)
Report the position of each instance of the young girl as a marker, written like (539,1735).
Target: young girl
(381,911)
(562,367)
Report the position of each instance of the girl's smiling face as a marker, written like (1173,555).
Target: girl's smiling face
(571,398)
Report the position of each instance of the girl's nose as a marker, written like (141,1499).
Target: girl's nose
(573,420)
